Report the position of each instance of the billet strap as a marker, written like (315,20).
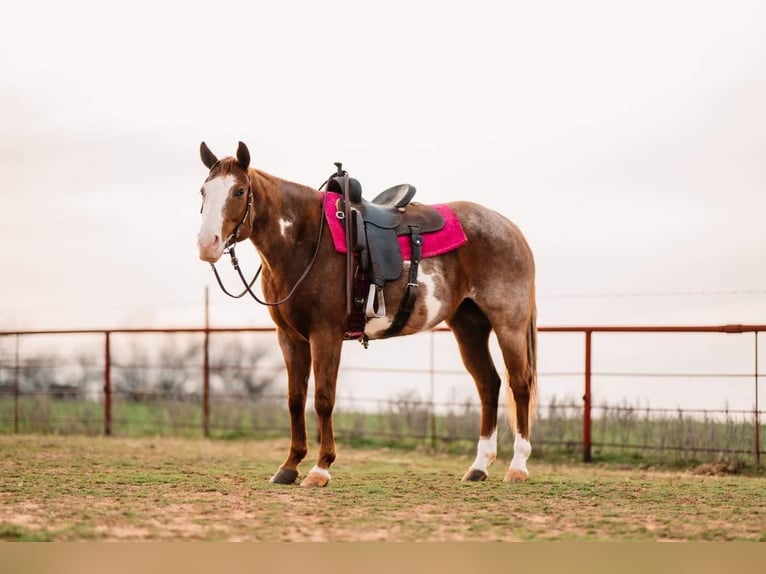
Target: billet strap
(407,303)
(349,253)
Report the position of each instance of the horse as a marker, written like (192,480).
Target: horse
(485,285)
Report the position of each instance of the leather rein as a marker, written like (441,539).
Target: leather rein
(233,238)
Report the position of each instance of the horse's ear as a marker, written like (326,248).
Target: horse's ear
(243,156)
(208,157)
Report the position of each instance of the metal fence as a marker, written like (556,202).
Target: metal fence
(589,350)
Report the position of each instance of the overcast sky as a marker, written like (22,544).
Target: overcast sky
(626,139)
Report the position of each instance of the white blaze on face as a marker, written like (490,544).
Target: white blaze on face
(210,239)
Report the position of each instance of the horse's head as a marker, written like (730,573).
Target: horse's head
(226,202)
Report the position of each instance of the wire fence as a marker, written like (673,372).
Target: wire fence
(229,382)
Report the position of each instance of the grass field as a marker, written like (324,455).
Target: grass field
(94,488)
(621,433)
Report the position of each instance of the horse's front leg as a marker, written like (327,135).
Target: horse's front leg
(297,355)
(325,350)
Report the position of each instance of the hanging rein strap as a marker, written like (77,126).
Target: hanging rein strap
(234,237)
(235,264)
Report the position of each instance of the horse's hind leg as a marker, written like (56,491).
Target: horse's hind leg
(518,347)
(297,357)
(471,329)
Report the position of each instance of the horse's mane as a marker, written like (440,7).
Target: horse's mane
(226,165)
(282,184)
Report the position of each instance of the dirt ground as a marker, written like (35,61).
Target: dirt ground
(99,489)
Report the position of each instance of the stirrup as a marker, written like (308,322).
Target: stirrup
(376,305)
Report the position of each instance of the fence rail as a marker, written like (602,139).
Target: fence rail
(587,373)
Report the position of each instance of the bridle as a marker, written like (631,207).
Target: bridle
(233,238)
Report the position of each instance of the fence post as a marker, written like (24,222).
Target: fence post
(107,386)
(431,363)
(206,372)
(16,372)
(586,420)
(757,413)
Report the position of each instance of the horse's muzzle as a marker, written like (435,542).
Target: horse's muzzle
(209,258)
(210,248)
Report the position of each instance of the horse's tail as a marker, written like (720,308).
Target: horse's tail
(532,365)
(529,374)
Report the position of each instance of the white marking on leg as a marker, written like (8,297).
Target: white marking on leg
(320,471)
(486,451)
(522,448)
(283,225)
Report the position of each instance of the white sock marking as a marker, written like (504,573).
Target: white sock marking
(320,471)
(522,448)
(486,451)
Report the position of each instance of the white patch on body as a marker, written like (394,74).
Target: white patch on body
(283,225)
(216,193)
(486,451)
(377,325)
(428,296)
(521,451)
(320,471)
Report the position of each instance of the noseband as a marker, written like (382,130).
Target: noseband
(233,238)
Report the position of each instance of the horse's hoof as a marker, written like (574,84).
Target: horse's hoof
(474,475)
(315,479)
(516,476)
(284,476)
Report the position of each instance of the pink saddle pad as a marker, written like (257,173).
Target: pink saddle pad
(450,237)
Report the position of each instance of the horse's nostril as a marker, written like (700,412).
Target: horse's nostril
(217,240)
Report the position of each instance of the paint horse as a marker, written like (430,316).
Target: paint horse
(486,284)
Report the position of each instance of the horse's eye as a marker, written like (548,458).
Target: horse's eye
(240,192)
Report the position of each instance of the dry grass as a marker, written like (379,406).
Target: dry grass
(95,488)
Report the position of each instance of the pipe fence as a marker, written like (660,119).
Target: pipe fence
(13,367)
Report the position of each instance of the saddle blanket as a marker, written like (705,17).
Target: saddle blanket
(450,237)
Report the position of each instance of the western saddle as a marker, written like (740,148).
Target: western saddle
(372,231)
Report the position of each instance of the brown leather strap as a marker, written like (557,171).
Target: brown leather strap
(349,251)
(407,303)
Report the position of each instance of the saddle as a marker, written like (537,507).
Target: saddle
(372,228)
